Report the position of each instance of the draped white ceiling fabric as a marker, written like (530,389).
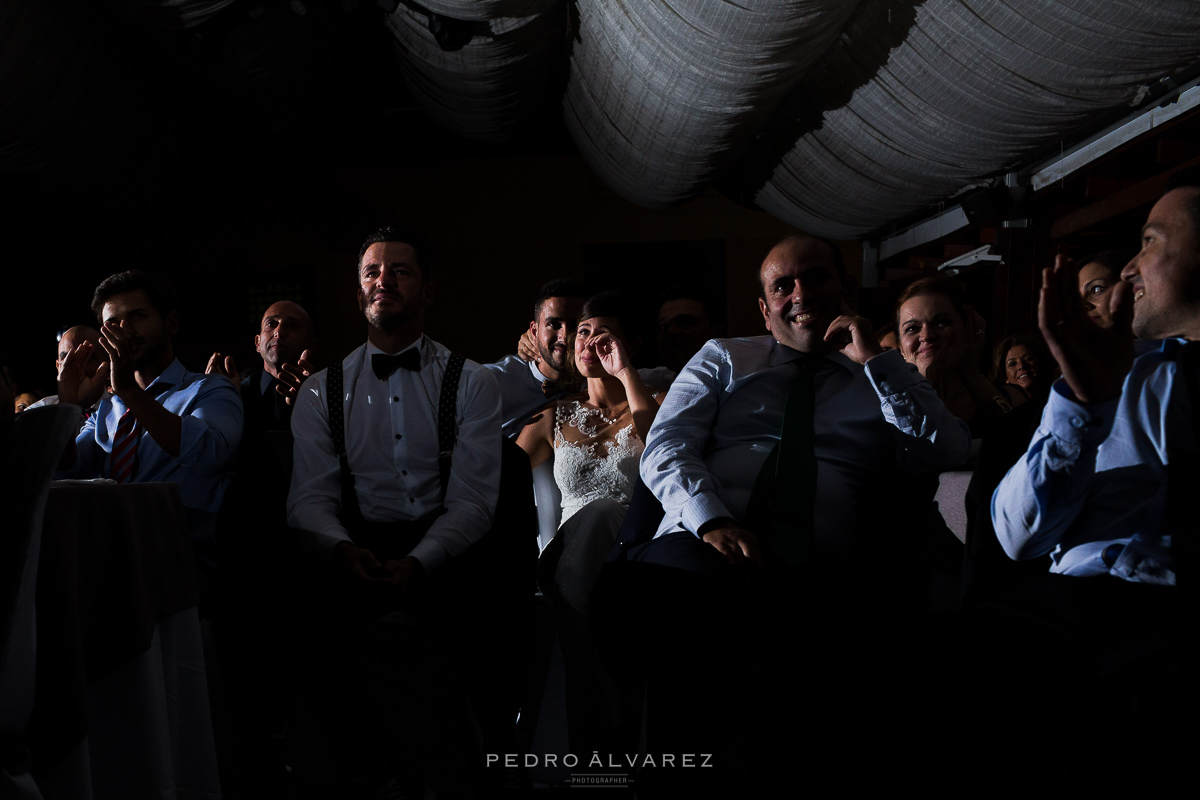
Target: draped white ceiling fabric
(837,116)
(971,87)
(488,89)
(662,96)
(841,117)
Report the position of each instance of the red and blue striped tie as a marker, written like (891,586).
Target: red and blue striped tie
(124,450)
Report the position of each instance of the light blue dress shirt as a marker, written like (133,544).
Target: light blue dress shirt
(723,416)
(1095,477)
(210,411)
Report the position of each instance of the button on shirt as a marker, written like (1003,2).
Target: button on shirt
(1095,478)
(210,411)
(392,447)
(723,417)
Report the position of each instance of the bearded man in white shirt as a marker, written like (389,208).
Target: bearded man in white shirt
(390,520)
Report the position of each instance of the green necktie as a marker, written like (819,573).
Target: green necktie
(786,488)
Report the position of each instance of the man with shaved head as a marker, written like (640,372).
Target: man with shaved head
(282,342)
(93,361)
(725,412)
(259,661)
(787,549)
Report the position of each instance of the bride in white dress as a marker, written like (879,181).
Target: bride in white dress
(596,439)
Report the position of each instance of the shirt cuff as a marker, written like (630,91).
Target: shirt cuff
(700,509)
(890,374)
(1072,423)
(430,554)
(323,543)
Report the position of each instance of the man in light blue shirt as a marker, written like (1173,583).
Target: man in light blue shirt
(1093,487)
(179,426)
(724,412)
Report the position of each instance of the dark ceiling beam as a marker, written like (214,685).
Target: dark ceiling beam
(1140,194)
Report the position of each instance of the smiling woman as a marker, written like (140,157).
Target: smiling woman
(942,335)
(1023,362)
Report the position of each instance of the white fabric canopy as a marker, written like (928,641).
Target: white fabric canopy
(662,96)
(488,89)
(972,87)
(837,116)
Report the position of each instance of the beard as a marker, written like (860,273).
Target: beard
(151,355)
(385,321)
(558,358)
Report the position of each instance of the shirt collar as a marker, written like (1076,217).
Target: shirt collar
(171,376)
(537,373)
(782,354)
(264,382)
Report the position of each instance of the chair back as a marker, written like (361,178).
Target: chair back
(952,501)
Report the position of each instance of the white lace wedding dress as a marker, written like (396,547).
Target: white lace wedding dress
(596,454)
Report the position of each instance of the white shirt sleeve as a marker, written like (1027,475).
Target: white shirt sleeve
(474,484)
(315,497)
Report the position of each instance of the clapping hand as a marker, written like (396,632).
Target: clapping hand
(117,344)
(1094,360)
(75,386)
(224,366)
(291,376)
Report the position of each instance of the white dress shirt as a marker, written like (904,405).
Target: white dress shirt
(1095,478)
(723,417)
(392,447)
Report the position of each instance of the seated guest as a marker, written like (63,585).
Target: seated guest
(95,361)
(687,318)
(785,453)
(270,391)
(1105,487)
(162,423)
(1098,276)
(1103,412)
(259,662)
(25,400)
(397,475)
(942,335)
(596,440)
(543,371)
(1020,369)
(886,336)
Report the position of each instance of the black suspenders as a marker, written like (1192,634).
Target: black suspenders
(335,399)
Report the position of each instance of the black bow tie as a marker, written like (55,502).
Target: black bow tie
(384,365)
